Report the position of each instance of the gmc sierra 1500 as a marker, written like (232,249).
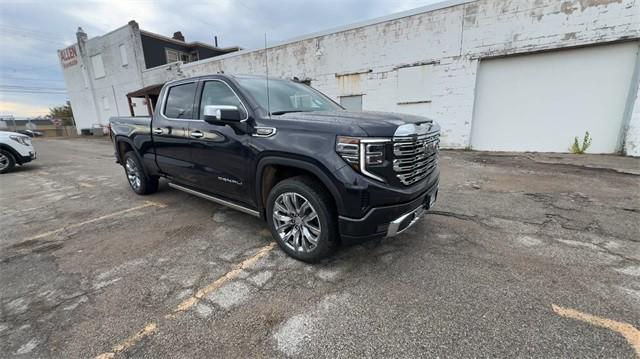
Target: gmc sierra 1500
(315,172)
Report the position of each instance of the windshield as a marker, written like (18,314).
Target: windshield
(286,96)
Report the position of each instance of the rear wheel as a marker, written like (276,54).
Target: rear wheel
(302,219)
(140,183)
(7,161)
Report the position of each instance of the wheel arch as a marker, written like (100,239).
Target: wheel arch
(12,151)
(270,166)
(123,145)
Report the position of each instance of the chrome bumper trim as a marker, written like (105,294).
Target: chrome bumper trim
(394,226)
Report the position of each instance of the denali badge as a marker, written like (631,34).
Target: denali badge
(229,180)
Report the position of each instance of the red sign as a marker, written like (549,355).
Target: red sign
(68,56)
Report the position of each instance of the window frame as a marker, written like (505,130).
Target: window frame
(179,55)
(165,102)
(200,92)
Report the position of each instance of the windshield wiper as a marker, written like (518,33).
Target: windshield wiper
(283,112)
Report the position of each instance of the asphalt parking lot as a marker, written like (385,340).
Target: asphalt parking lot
(523,255)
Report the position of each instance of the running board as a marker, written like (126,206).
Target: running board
(217,200)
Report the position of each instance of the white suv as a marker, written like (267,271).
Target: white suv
(15,148)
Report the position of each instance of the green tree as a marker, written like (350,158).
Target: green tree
(64,113)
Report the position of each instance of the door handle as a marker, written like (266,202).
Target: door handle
(197,134)
(157,131)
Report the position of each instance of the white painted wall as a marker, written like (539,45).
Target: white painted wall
(106,95)
(541,102)
(452,36)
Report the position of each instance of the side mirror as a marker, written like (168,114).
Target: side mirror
(215,114)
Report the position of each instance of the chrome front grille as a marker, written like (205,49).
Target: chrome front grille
(415,157)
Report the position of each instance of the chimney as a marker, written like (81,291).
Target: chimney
(81,35)
(82,38)
(178,36)
(215,41)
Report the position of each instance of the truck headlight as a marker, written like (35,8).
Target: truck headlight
(362,152)
(23,140)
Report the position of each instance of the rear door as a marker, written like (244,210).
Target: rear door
(221,153)
(170,130)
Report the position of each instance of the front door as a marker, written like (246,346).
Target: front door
(170,128)
(220,154)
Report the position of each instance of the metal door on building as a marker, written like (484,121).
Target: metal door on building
(541,102)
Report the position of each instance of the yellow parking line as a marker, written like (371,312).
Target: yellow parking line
(189,302)
(129,342)
(232,274)
(106,216)
(628,331)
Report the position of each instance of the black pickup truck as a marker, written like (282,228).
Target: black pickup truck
(315,172)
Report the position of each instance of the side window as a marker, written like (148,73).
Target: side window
(219,94)
(180,101)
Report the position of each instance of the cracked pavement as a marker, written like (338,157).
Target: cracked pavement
(510,236)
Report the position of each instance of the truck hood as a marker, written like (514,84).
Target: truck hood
(375,124)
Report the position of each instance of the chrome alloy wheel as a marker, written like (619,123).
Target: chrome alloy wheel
(4,161)
(296,222)
(133,174)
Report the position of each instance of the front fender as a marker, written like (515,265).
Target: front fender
(304,163)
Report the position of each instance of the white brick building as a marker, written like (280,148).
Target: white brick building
(496,74)
(100,71)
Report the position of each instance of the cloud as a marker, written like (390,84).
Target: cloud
(22,109)
(31,32)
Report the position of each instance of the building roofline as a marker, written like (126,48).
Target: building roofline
(96,37)
(343,28)
(184,43)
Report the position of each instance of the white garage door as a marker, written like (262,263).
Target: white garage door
(541,102)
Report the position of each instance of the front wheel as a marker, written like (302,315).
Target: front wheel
(7,162)
(302,219)
(140,183)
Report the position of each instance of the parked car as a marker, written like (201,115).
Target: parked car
(15,148)
(30,133)
(315,172)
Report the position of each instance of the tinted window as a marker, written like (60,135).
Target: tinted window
(219,94)
(180,101)
(286,96)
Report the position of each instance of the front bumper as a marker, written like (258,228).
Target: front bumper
(388,221)
(30,157)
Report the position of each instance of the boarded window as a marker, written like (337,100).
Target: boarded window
(98,66)
(415,84)
(123,55)
(352,103)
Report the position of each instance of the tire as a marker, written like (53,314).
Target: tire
(296,235)
(7,161)
(139,181)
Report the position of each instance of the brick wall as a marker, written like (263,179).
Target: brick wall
(452,39)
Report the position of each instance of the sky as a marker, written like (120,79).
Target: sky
(31,31)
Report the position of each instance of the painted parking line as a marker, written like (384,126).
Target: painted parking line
(628,331)
(93,220)
(152,327)
(129,342)
(231,275)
